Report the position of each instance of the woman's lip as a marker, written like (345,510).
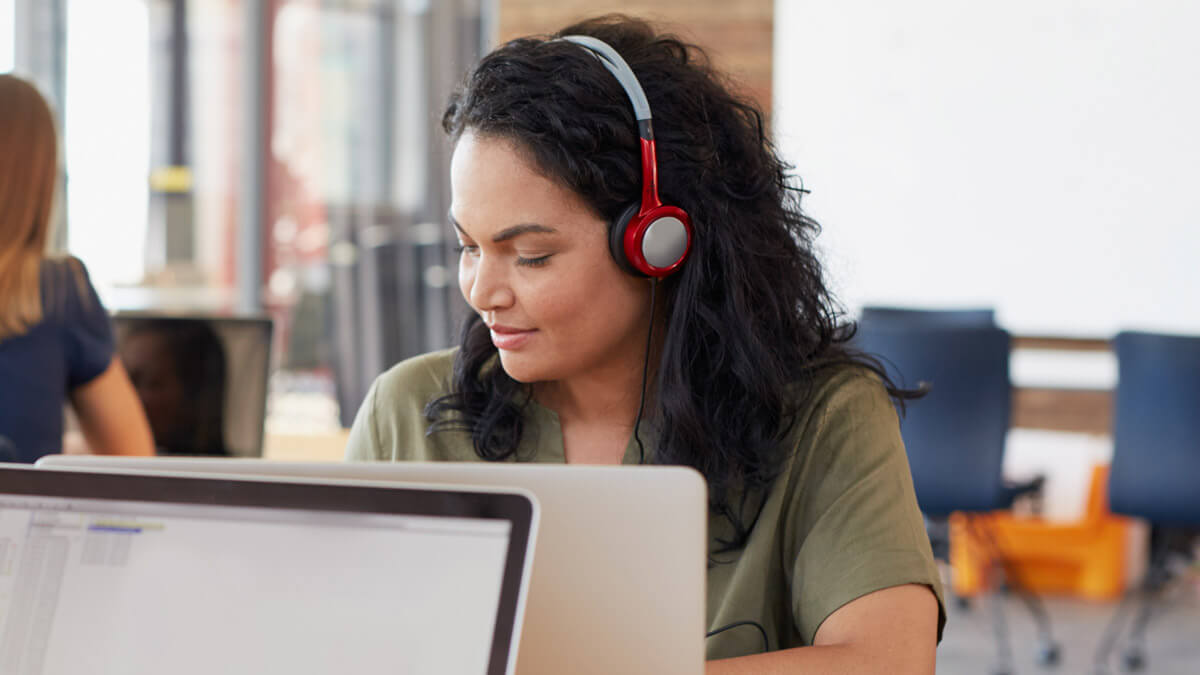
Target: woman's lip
(510,338)
(506,330)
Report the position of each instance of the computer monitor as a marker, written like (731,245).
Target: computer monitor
(138,574)
(620,577)
(201,379)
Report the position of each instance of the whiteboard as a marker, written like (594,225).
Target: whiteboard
(1040,157)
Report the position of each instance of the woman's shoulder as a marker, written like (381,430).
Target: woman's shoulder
(54,269)
(391,424)
(843,388)
(420,378)
(844,416)
(66,287)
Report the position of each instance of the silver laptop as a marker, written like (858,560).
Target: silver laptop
(105,572)
(619,581)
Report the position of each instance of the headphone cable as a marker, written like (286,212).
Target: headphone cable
(637,422)
(735,624)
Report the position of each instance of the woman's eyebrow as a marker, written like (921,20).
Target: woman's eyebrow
(524,228)
(510,232)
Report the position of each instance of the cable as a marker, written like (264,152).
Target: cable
(645,371)
(735,624)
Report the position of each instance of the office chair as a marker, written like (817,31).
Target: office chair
(1155,467)
(975,317)
(955,434)
(981,317)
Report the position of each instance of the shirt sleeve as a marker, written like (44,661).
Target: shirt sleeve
(855,512)
(87,329)
(391,424)
(363,444)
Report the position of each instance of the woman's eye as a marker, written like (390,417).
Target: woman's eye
(466,248)
(534,262)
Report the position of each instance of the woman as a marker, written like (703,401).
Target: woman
(735,363)
(56,342)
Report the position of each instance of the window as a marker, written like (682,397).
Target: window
(107,147)
(8,47)
(280,159)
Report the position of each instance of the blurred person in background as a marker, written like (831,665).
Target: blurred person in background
(56,340)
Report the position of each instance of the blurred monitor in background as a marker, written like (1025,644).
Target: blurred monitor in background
(202,380)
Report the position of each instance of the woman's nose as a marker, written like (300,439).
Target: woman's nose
(488,284)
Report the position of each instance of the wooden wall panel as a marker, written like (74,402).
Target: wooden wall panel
(1086,411)
(1082,410)
(737,34)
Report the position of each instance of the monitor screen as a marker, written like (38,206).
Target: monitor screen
(201,380)
(110,585)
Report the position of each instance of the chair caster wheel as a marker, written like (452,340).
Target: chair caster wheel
(1133,659)
(1048,655)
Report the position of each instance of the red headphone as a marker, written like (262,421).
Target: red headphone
(649,238)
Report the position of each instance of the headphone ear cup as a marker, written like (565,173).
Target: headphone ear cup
(616,239)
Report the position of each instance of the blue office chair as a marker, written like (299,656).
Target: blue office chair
(955,434)
(1155,465)
(980,317)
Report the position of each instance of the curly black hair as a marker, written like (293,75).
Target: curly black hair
(749,318)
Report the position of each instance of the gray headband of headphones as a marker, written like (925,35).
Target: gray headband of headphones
(616,65)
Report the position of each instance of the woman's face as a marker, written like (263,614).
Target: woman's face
(535,265)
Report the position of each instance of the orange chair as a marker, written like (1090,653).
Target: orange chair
(1086,558)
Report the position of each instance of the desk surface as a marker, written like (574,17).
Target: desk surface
(319,447)
(315,447)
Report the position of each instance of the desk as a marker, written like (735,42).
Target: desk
(316,447)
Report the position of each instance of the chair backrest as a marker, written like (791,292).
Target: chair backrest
(981,317)
(955,434)
(1156,429)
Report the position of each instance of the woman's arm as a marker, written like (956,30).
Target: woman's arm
(889,631)
(110,414)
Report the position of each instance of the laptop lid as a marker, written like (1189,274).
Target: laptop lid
(202,380)
(620,577)
(106,572)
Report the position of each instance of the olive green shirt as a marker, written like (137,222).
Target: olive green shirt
(840,521)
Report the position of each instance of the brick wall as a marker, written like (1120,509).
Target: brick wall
(737,34)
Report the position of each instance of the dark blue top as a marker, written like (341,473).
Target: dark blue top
(71,346)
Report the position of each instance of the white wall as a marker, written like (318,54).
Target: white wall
(1039,156)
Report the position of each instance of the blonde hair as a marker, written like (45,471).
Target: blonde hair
(28,175)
